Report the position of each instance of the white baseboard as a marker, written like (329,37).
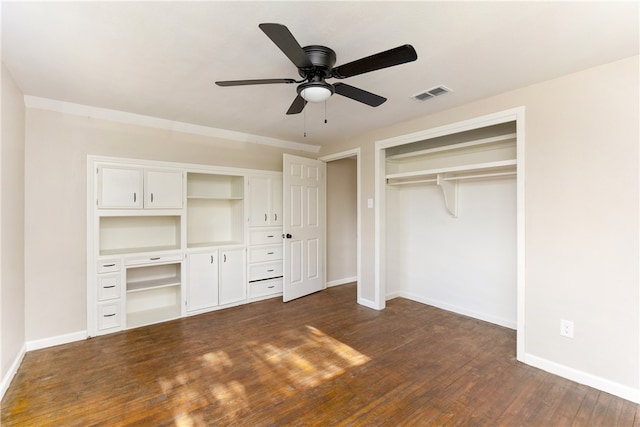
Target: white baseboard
(392,295)
(460,310)
(57,340)
(342,281)
(368,303)
(13,370)
(620,390)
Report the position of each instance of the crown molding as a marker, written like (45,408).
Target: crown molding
(158,123)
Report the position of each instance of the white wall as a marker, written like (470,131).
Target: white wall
(341,221)
(57,146)
(12,286)
(465,264)
(581,231)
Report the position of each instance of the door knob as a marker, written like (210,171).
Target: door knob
(288,236)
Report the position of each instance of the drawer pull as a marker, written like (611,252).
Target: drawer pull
(270,270)
(109,315)
(154,258)
(108,265)
(108,287)
(269,253)
(271,287)
(271,237)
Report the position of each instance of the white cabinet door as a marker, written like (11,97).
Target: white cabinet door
(265,200)
(163,189)
(232,276)
(276,201)
(119,187)
(202,280)
(259,201)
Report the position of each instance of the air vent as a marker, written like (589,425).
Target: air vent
(431,93)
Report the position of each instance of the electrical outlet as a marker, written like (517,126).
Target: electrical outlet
(566,328)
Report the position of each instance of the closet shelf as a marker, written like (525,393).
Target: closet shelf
(479,170)
(487,142)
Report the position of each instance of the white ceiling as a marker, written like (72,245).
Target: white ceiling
(161,58)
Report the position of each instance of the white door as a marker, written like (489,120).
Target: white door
(258,200)
(233,287)
(119,187)
(202,287)
(163,189)
(303,228)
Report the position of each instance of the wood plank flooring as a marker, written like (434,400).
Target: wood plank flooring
(318,361)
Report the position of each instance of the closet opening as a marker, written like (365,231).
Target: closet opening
(450,219)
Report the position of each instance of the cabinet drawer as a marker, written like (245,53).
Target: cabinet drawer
(153,259)
(108,266)
(108,286)
(109,315)
(265,271)
(264,288)
(265,253)
(265,237)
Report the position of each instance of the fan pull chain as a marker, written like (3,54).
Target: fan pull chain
(304,121)
(325,112)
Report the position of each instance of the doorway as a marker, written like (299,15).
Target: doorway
(342,258)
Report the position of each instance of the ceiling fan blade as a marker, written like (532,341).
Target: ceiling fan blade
(254,82)
(388,58)
(282,37)
(358,94)
(297,106)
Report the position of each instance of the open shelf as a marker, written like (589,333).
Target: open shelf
(156,315)
(214,220)
(214,186)
(135,234)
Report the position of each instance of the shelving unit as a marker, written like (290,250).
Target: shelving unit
(445,165)
(135,234)
(166,240)
(215,210)
(153,293)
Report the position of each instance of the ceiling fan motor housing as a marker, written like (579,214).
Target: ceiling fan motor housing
(323,60)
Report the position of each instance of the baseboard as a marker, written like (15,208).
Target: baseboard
(57,340)
(392,295)
(368,303)
(342,281)
(616,389)
(455,309)
(13,370)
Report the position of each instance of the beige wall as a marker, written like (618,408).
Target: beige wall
(12,287)
(581,198)
(342,189)
(57,146)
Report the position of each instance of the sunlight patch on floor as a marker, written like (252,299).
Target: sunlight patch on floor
(309,358)
(300,359)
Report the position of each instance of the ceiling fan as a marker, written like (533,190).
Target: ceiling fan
(315,64)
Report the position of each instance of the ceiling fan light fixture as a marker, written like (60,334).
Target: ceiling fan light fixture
(315,91)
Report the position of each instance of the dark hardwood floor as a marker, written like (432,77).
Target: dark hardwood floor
(321,360)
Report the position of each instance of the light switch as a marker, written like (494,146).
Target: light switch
(370,203)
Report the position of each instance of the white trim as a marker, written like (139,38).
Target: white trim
(157,123)
(456,309)
(368,303)
(344,281)
(57,340)
(13,370)
(617,389)
(343,155)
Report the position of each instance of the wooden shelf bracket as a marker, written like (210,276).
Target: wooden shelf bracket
(450,192)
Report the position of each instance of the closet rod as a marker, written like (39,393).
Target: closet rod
(454,178)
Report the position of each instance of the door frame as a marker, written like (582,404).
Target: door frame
(338,156)
(515,114)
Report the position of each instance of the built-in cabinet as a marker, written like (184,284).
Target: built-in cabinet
(265,236)
(136,188)
(168,240)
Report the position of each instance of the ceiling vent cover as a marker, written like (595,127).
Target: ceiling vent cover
(431,93)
